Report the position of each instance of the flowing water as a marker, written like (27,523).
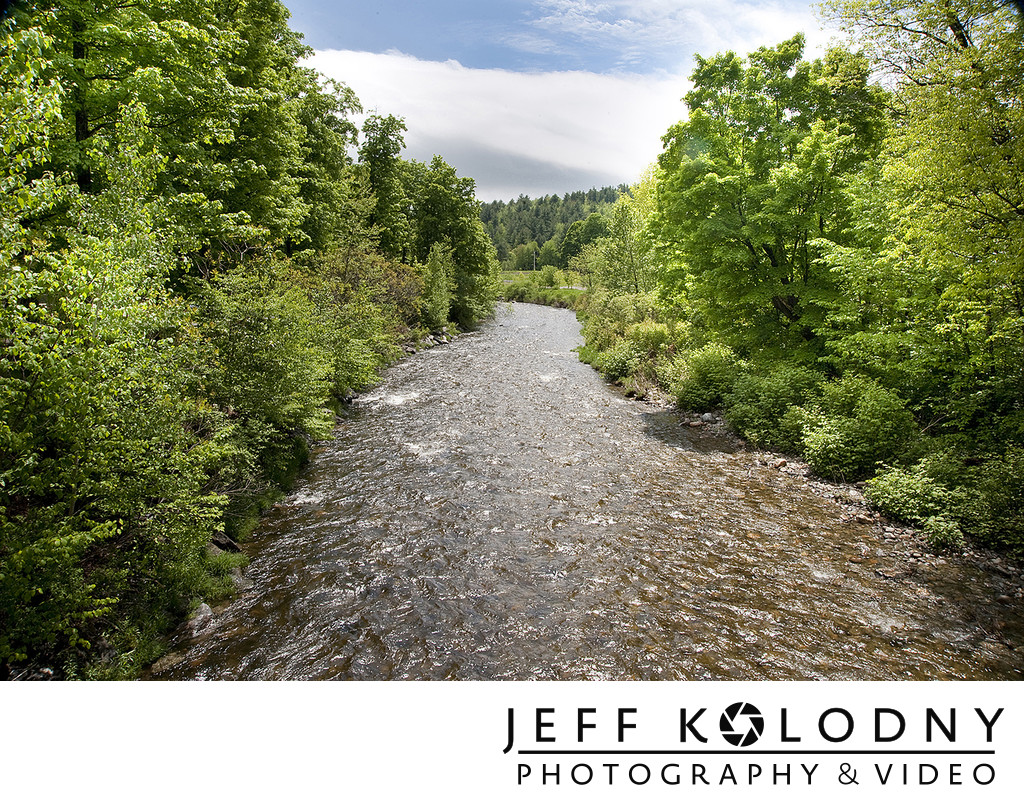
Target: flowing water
(494,510)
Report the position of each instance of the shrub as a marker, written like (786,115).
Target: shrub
(854,425)
(618,361)
(273,366)
(908,495)
(704,377)
(607,317)
(999,498)
(649,337)
(438,285)
(758,404)
(943,534)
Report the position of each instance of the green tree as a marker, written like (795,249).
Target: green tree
(438,284)
(752,179)
(947,248)
(168,56)
(628,248)
(331,189)
(581,233)
(103,460)
(383,143)
(548,254)
(447,212)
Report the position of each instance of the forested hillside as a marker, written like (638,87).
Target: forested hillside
(526,228)
(193,269)
(831,252)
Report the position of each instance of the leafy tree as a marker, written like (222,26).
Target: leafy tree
(379,153)
(946,245)
(188,272)
(752,179)
(331,190)
(264,155)
(447,212)
(103,511)
(169,57)
(628,247)
(438,284)
(581,233)
(30,107)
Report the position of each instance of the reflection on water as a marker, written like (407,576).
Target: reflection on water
(495,511)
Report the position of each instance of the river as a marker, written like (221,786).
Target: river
(494,510)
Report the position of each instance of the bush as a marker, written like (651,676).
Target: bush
(104,504)
(438,285)
(273,367)
(758,404)
(943,534)
(607,317)
(649,337)
(998,495)
(705,377)
(984,500)
(907,495)
(619,361)
(852,426)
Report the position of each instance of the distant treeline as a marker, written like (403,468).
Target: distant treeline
(527,228)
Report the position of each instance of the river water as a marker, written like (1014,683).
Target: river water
(494,510)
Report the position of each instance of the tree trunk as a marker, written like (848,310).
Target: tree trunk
(83,174)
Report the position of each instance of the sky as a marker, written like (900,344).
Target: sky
(537,96)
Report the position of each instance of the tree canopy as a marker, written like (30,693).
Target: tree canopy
(193,268)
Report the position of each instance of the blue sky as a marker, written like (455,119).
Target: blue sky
(536,96)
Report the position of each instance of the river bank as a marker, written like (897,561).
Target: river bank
(915,562)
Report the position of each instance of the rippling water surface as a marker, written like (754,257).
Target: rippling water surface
(494,510)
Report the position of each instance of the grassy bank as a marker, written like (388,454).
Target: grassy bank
(543,288)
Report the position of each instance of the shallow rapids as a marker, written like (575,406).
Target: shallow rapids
(494,510)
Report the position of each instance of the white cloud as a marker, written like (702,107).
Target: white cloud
(607,127)
(668,32)
(539,133)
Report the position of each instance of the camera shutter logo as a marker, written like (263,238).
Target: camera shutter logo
(741,724)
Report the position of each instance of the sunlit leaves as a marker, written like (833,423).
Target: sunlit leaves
(752,178)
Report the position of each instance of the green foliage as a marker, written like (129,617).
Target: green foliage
(852,426)
(627,263)
(438,284)
(526,288)
(753,178)
(447,212)
(272,368)
(982,498)
(758,404)
(650,338)
(29,107)
(513,226)
(190,270)
(619,361)
(102,476)
(908,495)
(943,534)
(379,153)
(608,316)
(702,379)
(996,516)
